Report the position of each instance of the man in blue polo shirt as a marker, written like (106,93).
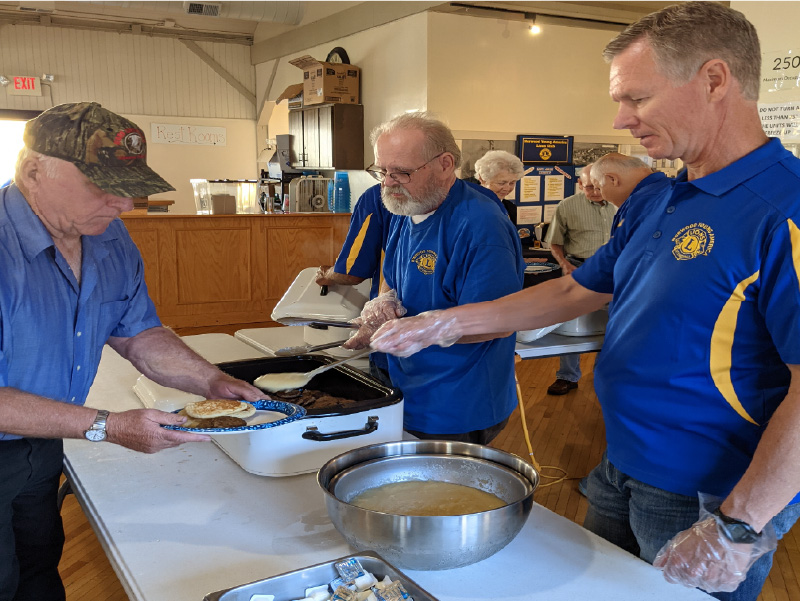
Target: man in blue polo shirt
(698,378)
(619,177)
(449,244)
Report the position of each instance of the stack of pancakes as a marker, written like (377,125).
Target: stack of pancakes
(217,413)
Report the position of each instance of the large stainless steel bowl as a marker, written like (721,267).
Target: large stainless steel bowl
(429,542)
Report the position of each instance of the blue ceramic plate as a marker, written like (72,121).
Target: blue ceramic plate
(264,418)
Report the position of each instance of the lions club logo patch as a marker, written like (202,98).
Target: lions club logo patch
(692,241)
(426,261)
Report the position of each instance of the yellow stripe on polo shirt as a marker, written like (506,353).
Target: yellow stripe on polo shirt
(795,241)
(721,347)
(357,244)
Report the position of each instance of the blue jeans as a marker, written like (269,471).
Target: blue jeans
(641,519)
(569,367)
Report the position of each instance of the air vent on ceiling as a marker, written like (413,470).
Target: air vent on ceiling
(205,9)
(37,7)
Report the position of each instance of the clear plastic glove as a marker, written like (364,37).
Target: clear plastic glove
(404,337)
(375,313)
(702,557)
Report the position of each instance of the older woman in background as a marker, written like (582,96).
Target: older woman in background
(499,171)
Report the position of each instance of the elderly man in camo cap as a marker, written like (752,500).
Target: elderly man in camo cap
(72,281)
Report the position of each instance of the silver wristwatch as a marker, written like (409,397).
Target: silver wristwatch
(97,432)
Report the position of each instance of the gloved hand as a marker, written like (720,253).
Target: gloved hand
(703,557)
(404,337)
(375,313)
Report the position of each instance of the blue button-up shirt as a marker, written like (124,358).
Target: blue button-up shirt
(52,329)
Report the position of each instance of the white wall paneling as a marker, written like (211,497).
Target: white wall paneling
(127,73)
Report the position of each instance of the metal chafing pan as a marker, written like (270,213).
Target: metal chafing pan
(291,585)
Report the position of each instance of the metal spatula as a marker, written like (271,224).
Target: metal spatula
(291,351)
(288,380)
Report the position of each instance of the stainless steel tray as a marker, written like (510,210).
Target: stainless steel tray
(292,585)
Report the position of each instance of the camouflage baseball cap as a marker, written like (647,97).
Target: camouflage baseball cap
(108,149)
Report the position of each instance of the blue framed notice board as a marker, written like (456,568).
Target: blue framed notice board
(545,150)
(549,178)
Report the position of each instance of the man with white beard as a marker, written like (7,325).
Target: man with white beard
(450,245)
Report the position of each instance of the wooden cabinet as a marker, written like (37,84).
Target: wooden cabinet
(224,270)
(329,136)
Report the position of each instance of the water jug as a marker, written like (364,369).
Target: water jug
(341,192)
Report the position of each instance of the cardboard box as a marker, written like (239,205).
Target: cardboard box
(223,204)
(293,95)
(328,82)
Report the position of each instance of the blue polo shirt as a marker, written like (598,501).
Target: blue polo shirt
(52,330)
(704,319)
(363,250)
(467,251)
(362,253)
(654,184)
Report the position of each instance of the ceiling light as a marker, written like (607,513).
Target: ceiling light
(48,77)
(4,81)
(534,29)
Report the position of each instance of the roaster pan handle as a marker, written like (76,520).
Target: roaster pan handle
(312,433)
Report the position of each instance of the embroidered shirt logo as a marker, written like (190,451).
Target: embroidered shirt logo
(693,240)
(426,261)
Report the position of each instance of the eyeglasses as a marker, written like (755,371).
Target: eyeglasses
(402,177)
(503,184)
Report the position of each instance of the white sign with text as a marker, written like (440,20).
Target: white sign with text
(781,120)
(197,135)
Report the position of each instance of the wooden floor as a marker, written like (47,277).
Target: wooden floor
(566,432)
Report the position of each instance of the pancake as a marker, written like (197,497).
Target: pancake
(215,408)
(246,412)
(225,421)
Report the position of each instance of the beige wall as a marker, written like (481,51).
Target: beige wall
(777,23)
(494,76)
(180,163)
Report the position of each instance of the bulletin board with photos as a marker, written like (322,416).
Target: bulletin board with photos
(549,179)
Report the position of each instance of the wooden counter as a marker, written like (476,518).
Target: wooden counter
(223,270)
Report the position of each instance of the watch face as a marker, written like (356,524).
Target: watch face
(95,435)
(739,533)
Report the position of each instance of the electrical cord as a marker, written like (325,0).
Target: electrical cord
(556,479)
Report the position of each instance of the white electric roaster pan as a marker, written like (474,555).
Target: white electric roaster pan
(324,317)
(375,416)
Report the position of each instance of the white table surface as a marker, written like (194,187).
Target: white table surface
(552,345)
(187,521)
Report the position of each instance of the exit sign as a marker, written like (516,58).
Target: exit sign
(24,85)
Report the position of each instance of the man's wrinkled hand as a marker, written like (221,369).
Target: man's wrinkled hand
(321,279)
(140,430)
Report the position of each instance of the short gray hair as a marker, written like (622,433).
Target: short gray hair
(495,161)
(50,165)
(685,36)
(615,160)
(438,136)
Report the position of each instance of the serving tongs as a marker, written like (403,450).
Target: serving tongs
(305,349)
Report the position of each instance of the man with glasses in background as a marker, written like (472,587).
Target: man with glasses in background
(450,246)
